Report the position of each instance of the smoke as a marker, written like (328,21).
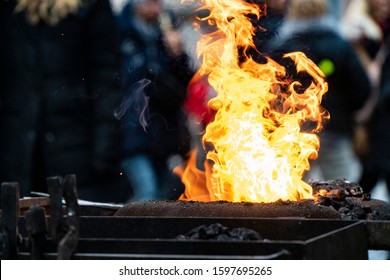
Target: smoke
(138,101)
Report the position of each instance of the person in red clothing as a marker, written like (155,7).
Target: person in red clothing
(199,93)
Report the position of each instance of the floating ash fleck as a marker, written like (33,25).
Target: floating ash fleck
(219,232)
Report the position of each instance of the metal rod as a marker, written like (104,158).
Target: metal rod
(10,192)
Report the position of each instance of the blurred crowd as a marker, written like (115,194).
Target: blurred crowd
(107,90)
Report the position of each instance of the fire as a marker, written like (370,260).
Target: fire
(256,148)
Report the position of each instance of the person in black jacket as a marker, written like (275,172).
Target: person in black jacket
(58,88)
(377,161)
(268,23)
(367,25)
(156,73)
(309,28)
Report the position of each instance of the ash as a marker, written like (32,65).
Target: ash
(219,232)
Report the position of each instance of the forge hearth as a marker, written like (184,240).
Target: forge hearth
(333,199)
(306,229)
(171,208)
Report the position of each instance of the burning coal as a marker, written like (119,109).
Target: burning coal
(257,150)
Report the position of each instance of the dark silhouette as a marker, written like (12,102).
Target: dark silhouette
(58,89)
(309,28)
(156,73)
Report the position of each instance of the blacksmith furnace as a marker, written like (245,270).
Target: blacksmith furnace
(62,227)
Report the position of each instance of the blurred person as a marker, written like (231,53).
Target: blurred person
(367,25)
(376,163)
(271,20)
(272,16)
(375,119)
(189,26)
(364,24)
(58,86)
(156,73)
(200,114)
(309,28)
(199,91)
(336,8)
(117,5)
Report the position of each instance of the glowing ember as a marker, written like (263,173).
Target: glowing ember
(258,150)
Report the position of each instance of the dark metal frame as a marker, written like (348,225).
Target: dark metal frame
(70,234)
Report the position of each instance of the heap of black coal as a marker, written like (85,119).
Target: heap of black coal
(219,232)
(349,200)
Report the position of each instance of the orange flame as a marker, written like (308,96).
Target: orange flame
(258,149)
